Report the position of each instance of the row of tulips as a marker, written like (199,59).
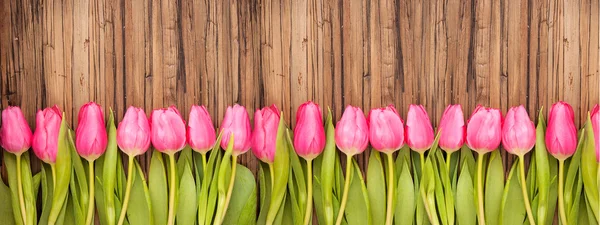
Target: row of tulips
(206,186)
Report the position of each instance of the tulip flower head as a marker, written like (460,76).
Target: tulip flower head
(518,131)
(45,137)
(419,132)
(596,126)
(386,129)
(201,134)
(91,138)
(561,134)
(15,134)
(236,122)
(168,130)
(452,128)
(484,129)
(352,131)
(133,133)
(309,133)
(264,137)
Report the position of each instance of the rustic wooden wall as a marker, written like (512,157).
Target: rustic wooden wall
(152,54)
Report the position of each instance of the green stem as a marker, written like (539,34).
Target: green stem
(204,162)
(448,159)
(272,171)
(127,190)
(346,188)
(524,190)
(422,157)
(90,213)
(390,194)
(231,182)
(171,218)
(309,197)
(53,169)
(480,188)
(561,202)
(20,189)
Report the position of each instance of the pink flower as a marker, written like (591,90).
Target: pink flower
(419,132)
(200,132)
(596,126)
(518,131)
(561,134)
(15,134)
(45,137)
(236,122)
(452,126)
(352,131)
(484,129)
(264,137)
(386,129)
(309,134)
(168,130)
(133,134)
(91,137)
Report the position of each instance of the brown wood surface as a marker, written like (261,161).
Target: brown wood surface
(152,54)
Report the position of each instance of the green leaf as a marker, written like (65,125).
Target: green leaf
(186,211)
(242,207)
(63,173)
(281,166)
(140,208)
(80,175)
(328,171)
(6,209)
(185,159)
(223,181)
(402,157)
(357,211)
(466,210)
(157,179)
(376,188)
(213,192)
(494,187)
(573,177)
(264,177)
(589,169)
(512,210)
(208,179)
(405,196)
(110,169)
(99,195)
(542,171)
(47,186)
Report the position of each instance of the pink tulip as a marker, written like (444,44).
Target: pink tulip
(561,134)
(484,129)
(352,131)
(45,137)
(15,134)
(596,126)
(452,128)
(264,137)
(386,129)
(91,137)
(168,130)
(200,132)
(518,131)
(419,132)
(309,138)
(236,122)
(133,134)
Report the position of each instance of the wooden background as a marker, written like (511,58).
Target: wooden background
(152,54)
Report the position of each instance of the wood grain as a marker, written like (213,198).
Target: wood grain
(256,53)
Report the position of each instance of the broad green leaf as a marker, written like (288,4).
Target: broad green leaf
(281,166)
(110,169)
(466,209)
(494,187)
(589,169)
(28,189)
(213,193)
(47,187)
(376,188)
(265,192)
(223,178)
(542,172)
(242,207)
(573,177)
(186,212)
(297,179)
(139,209)
(357,209)
(80,175)
(63,173)
(6,209)
(75,202)
(405,197)
(512,210)
(327,169)
(466,155)
(157,186)
(99,195)
(402,157)
(185,159)
(207,179)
